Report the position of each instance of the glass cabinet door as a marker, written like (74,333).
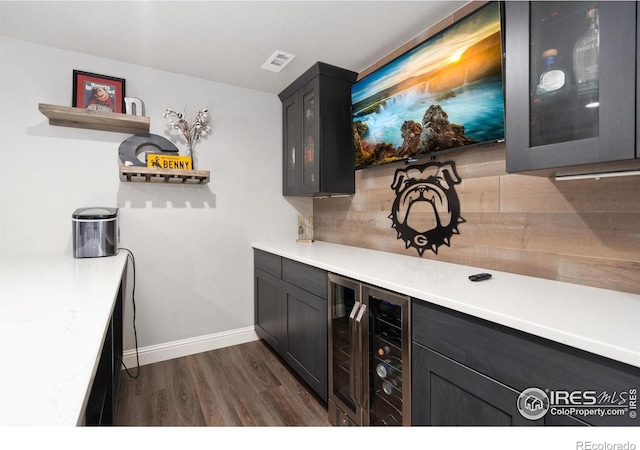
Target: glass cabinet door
(564,71)
(309,139)
(290,137)
(301,141)
(570,85)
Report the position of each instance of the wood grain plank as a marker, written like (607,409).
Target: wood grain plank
(233,385)
(610,235)
(599,272)
(538,264)
(95,120)
(140,174)
(485,161)
(183,406)
(516,223)
(152,399)
(607,235)
(530,193)
(217,406)
(244,385)
(477,194)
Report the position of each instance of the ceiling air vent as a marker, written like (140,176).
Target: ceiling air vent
(278,61)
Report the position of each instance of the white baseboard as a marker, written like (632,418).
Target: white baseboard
(190,346)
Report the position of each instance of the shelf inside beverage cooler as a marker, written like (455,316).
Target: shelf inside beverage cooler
(393,399)
(383,412)
(343,361)
(341,343)
(393,363)
(381,342)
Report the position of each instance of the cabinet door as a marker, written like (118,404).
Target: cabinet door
(309,176)
(268,309)
(306,336)
(521,361)
(291,157)
(445,392)
(570,83)
(301,141)
(118,346)
(99,409)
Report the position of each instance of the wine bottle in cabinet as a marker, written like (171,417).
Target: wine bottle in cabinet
(369,355)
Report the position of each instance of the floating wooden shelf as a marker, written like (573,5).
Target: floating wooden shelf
(152,175)
(66,116)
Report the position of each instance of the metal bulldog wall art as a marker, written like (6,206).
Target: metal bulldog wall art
(426,211)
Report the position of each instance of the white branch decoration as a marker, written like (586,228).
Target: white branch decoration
(193,131)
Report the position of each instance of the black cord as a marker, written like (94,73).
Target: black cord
(133,300)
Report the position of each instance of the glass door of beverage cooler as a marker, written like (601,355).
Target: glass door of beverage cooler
(388,373)
(345,351)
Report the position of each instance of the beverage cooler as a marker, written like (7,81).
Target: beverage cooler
(369,355)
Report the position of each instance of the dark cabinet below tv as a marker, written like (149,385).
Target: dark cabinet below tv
(469,371)
(582,126)
(318,155)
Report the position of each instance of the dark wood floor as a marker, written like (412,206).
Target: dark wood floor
(243,385)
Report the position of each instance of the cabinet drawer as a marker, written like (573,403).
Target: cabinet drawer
(520,360)
(268,262)
(307,277)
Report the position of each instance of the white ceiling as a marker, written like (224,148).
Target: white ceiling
(226,41)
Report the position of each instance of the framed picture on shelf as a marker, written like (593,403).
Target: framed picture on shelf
(98,92)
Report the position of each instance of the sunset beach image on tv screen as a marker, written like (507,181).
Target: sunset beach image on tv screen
(446,93)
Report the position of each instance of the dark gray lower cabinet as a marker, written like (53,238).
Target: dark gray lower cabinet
(306,336)
(291,315)
(468,371)
(452,394)
(102,404)
(268,308)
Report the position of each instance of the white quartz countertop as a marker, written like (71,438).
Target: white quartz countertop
(599,321)
(54,312)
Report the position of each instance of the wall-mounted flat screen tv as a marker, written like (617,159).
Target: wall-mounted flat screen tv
(443,95)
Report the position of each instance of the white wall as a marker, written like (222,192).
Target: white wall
(192,244)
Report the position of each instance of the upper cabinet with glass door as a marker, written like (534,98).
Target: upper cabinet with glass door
(318,155)
(571,86)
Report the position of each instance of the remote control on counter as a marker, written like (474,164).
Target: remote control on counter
(480,276)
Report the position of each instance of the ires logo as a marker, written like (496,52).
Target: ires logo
(575,398)
(534,403)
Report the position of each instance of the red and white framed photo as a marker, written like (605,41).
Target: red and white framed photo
(98,92)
